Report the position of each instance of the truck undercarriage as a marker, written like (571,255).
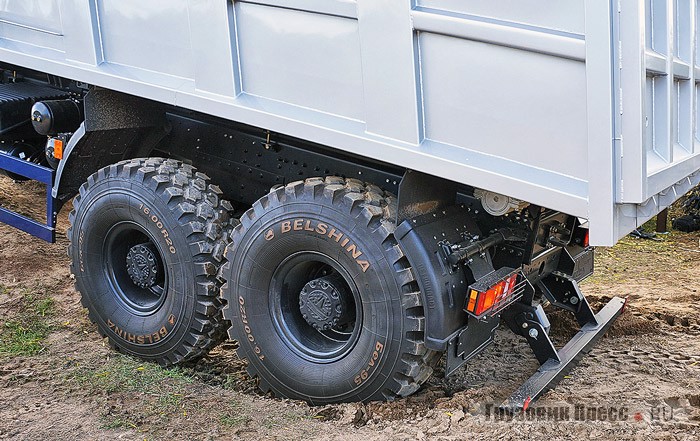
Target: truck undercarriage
(342,278)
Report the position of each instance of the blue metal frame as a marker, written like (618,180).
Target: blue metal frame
(39,173)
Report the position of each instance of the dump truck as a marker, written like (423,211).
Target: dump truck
(354,190)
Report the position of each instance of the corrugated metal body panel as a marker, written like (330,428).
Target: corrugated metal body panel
(583,106)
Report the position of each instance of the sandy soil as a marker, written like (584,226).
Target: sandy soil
(642,381)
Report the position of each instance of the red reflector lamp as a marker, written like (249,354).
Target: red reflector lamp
(492,293)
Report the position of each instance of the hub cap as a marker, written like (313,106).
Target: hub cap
(141,265)
(323,302)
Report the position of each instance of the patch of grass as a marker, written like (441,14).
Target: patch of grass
(631,259)
(170,399)
(233,415)
(155,395)
(24,332)
(110,422)
(23,338)
(44,307)
(231,421)
(122,373)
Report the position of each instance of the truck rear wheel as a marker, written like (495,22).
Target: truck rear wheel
(321,297)
(146,242)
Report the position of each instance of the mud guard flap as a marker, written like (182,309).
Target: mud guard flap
(552,371)
(444,290)
(471,340)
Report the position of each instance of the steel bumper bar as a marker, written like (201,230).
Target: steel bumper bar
(552,371)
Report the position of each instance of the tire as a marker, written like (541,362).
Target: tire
(321,298)
(146,242)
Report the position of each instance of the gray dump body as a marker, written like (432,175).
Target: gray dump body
(588,107)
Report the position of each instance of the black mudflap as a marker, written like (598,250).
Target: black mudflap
(470,341)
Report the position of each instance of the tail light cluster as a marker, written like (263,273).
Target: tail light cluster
(494,292)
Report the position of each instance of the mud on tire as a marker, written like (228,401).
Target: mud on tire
(321,297)
(146,242)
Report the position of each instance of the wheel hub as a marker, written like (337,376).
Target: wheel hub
(323,303)
(141,264)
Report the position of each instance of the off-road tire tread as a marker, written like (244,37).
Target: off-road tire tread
(378,210)
(201,211)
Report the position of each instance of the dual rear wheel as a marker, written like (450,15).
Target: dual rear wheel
(317,291)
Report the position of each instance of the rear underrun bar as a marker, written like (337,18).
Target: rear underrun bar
(552,371)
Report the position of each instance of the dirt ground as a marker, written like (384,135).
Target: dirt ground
(59,380)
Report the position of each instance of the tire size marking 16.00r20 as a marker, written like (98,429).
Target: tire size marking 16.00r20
(159,224)
(247,330)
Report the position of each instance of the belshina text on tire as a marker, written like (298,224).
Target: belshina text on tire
(405,363)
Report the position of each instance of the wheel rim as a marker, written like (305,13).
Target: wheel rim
(134,268)
(315,306)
